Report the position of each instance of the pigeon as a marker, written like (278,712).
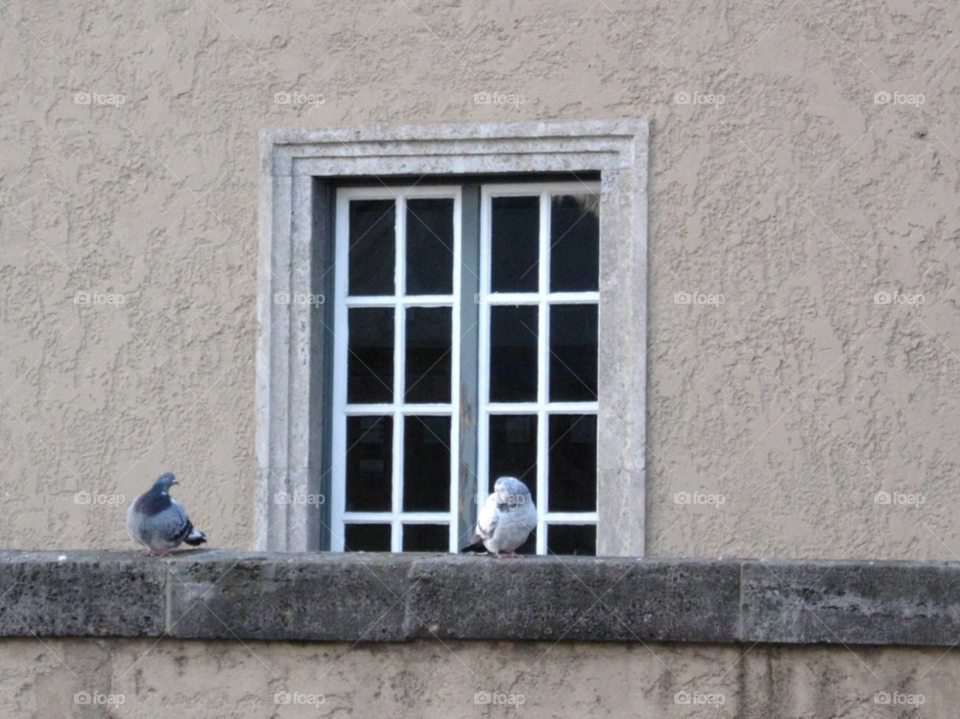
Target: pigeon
(158,522)
(506,519)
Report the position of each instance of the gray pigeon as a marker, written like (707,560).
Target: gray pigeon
(506,518)
(158,522)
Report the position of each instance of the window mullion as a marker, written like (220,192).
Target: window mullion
(543,352)
(399,374)
(467,417)
(483,441)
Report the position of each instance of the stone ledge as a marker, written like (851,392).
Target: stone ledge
(211,594)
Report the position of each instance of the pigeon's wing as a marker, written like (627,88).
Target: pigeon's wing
(178,508)
(170,525)
(487,518)
(188,533)
(180,523)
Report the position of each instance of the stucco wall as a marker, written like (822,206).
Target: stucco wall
(797,199)
(226,680)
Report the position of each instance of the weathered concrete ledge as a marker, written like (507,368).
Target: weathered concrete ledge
(374,597)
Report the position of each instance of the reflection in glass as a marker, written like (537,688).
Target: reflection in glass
(430,246)
(515,244)
(573,353)
(369,464)
(426,538)
(572,539)
(429,357)
(366,538)
(426,464)
(572,462)
(373,247)
(370,355)
(513,353)
(575,243)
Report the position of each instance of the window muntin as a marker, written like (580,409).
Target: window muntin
(538,336)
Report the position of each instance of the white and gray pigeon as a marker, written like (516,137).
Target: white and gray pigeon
(506,518)
(158,522)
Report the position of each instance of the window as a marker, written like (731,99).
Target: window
(580,413)
(533,331)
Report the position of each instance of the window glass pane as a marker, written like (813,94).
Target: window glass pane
(513,449)
(430,246)
(515,244)
(429,356)
(366,538)
(370,355)
(575,243)
(572,463)
(513,353)
(373,247)
(572,539)
(369,464)
(426,538)
(530,546)
(426,464)
(573,353)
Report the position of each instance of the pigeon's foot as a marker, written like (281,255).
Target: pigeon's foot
(514,554)
(158,553)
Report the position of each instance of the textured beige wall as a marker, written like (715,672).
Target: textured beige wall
(224,680)
(797,199)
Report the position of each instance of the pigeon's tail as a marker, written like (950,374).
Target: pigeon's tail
(196,537)
(476,547)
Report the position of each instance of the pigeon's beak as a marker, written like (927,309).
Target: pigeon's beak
(174,482)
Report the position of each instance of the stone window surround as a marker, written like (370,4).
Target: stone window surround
(297,168)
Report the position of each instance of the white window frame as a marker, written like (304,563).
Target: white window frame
(543,299)
(398,409)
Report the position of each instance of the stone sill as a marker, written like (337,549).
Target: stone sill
(213,594)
